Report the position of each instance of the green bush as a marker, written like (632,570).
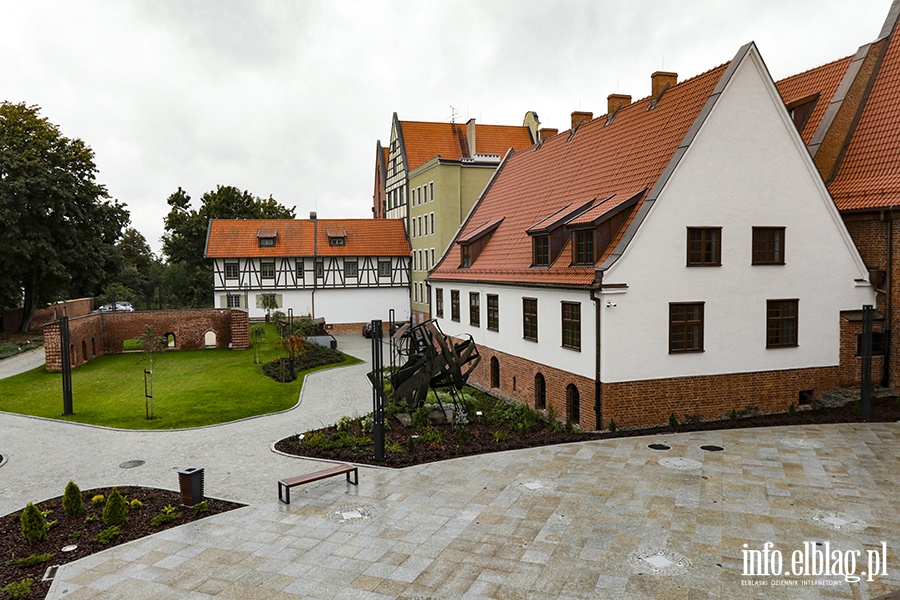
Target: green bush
(98,499)
(733,415)
(168,514)
(18,589)
(34,527)
(135,504)
(673,421)
(432,436)
(200,508)
(421,418)
(115,512)
(30,561)
(792,410)
(500,436)
(91,519)
(72,503)
(612,425)
(393,446)
(106,536)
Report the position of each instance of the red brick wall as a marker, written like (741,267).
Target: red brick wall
(851,365)
(104,333)
(12,319)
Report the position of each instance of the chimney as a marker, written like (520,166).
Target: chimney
(579,117)
(615,101)
(659,81)
(546,133)
(312,215)
(470,136)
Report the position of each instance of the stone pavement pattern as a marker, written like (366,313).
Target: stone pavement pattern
(587,520)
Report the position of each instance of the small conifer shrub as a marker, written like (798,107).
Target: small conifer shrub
(612,425)
(34,527)
(115,512)
(72,503)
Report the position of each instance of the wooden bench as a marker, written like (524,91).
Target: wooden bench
(285,485)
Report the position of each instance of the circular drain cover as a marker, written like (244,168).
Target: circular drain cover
(681,464)
(712,448)
(659,447)
(836,520)
(130,464)
(352,514)
(69,548)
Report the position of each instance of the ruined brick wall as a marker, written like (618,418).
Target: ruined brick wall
(12,318)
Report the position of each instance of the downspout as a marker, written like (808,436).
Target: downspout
(888,299)
(312,217)
(598,394)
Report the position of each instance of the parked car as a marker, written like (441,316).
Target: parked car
(367,330)
(119,306)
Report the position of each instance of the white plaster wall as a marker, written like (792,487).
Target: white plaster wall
(361,305)
(548,349)
(747,166)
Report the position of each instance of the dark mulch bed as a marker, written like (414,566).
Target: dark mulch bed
(479,438)
(74,530)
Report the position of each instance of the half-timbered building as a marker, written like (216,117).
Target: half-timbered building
(347,271)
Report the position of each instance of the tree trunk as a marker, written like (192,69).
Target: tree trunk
(29,305)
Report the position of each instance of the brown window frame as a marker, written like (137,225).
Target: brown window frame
(679,329)
(777,336)
(529,319)
(571,326)
(493,312)
(475,309)
(465,252)
(439,302)
(540,251)
(583,247)
(768,250)
(454,305)
(540,392)
(698,254)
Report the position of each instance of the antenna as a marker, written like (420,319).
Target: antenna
(453,113)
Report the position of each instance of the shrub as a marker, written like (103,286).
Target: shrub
(92,519)
(18,589)
(733,415)
(411,444)
(344,423)
(34,527)
(30,561)
(115,512)
(168,514)
(98,499)
(612,425)
(74,535)
(72,503)
(393,446)
(421,418)
(432,436)
(673,421)
(500,436)
(135,504)
(792,410)
(200,508)
(106,536)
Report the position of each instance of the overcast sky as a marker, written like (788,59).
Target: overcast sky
(288,98)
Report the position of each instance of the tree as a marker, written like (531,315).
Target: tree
(184,240)
(59,225)
(257,334)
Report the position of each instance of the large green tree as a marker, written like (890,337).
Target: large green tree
(59,226)
(189,276)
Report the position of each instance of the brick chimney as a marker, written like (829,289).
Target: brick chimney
(616,101)
(579,117)
(470,136)
(547,133)
(659,81)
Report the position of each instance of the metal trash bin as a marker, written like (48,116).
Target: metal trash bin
(190,484)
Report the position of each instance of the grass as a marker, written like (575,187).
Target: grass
(190,389)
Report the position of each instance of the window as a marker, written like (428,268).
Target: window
(584,247)
(351,268)
(529,319)
(431,190)
(466,252)
(571,325)
(540,247)
(686,327)
(231,270)
(299,267)
(475,309)
(573,404)
(320,268)
(439,302)
(704,248)
(493,316)
(267,270)
(337,241)
(781,323)
(415,230)
(422,231)
(768,245)
(540,392)
(877,343)
(233,301)
(454,305)
(384,268)
(495,372)
(432,222)
(266,242)
(432,257)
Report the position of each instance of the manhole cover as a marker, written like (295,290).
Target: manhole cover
(800,443)
(712,448)
(535,486)
(659,562)
(70,548)
(659,447)
(681,464)
(352,514)
(130,464)
(836,520)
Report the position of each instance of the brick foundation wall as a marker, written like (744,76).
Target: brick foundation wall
(349,328)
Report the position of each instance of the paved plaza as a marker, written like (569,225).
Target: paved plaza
(603,519)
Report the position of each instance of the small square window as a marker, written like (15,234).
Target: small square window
(877,344)
(231,270)
(768,245)
(384,268)
(704,247)
(267,270)
(266,242)
(233,301)
(351,268)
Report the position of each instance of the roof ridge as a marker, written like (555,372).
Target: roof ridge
(808,71)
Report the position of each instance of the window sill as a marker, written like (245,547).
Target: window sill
(573,348)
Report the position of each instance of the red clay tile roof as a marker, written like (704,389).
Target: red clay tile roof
(237,238)
(869,174)
(424,141)
(599,162)
(823,81)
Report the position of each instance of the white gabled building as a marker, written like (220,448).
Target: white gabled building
(347,271)
(679,255)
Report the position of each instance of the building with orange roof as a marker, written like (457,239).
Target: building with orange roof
(347,271)
(663,259)
(434,173)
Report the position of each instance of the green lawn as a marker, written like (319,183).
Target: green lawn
(190,388)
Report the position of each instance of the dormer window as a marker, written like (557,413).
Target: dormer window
(474,241)
(266,237)
(466,252)
(337,237)
(540,251)
(583,247)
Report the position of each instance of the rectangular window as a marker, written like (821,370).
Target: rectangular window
(540,246)
(529,319)
(351,268)
(571,325)
(415,293)
(439,302)
(415,228)
(431,190)
(299,267)
(231,270)
(704,246)
(686,327)
(267,270)
(423,228)
(432,257)
(431,217)
(877,344)
(266,242)
(454,305)
(320,268)
(768,245)
(781,323)
(233,301)
(384,268)
(466,252)
(584,247)
(493,316)
(475,309)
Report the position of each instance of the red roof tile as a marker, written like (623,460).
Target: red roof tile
(424,141)
(237,238)
(822,82)
(610,162)
(869,173)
